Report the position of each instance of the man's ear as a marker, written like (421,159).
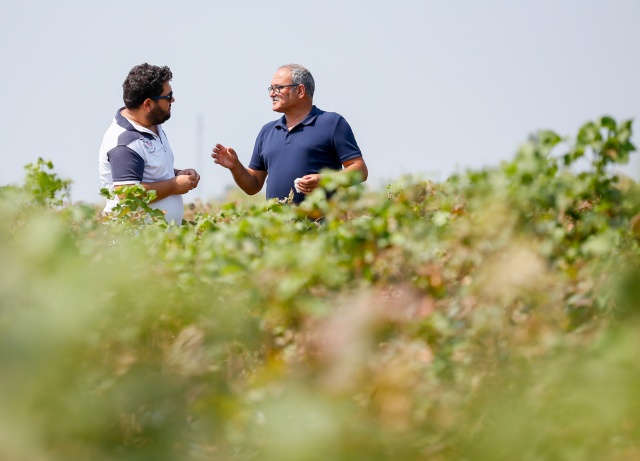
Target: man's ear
(302,91)
(147,104)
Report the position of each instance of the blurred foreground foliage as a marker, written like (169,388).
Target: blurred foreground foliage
(493,316)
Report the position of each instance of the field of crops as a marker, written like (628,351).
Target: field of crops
(492,316)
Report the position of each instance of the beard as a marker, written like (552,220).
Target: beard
(158,116)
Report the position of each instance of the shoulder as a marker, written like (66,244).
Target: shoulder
(122,133)
(329,118)
(130,138)
(326,114)
(271,125)
(130,144)
(268,128)
(121,153)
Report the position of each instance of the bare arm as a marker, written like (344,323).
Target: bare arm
(357,164)
(249,180)
(184,181)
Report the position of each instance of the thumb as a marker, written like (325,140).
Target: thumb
(232,151)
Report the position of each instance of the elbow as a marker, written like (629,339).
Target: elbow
(358,167)
(250,190)
(364,173)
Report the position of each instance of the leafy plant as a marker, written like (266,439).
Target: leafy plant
(45,188)
(489,316)
(133,206)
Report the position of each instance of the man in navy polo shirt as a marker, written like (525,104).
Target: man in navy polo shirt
(135,149)
(294,149)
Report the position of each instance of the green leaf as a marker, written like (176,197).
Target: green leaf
(441,218)
(608,122)
(601,244)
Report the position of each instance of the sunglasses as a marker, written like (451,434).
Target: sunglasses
(168,97)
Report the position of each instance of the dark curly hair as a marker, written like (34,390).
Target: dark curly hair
(144,81)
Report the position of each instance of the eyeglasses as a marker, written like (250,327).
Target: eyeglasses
(276,89)
(168,97)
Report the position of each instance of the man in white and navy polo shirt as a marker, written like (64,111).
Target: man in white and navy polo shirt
(135,149)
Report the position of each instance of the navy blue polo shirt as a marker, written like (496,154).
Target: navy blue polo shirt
(322,140)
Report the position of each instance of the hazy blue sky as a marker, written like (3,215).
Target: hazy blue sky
(429,87)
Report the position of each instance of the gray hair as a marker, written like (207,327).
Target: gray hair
(301,76)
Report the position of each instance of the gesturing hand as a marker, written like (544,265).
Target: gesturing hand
(224,156)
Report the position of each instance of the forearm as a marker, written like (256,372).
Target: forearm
(163,188)
(184,181)
(247,181)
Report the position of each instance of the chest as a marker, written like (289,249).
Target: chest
(158,158)
(300,142)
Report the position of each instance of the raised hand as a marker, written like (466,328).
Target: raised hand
(225,156)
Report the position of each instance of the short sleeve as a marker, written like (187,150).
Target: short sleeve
(345,142)
(257,160)
(126,165)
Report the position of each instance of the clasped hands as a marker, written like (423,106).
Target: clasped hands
(186,180)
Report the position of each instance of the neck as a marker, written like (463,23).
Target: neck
(297,114)
(139,118)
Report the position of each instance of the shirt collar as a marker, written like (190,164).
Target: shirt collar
(124,122)
(129,125)
(308,120)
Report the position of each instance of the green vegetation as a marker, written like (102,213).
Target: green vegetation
(493,316)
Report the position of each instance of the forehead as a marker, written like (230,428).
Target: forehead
(282,76)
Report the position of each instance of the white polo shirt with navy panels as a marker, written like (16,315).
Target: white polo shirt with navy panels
(131,154)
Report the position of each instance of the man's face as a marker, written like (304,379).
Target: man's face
(161,109)
(287,97)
